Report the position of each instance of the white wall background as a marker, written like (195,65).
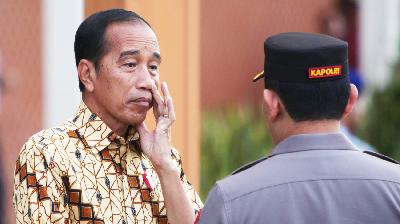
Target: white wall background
(60,20)
(379,39)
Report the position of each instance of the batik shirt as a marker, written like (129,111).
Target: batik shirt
(82,172)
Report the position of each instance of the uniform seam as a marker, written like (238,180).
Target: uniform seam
(311,180)
(224,196)
(312,149)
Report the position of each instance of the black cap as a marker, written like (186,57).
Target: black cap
(304,57)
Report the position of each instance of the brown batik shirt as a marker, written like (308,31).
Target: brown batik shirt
(81,172)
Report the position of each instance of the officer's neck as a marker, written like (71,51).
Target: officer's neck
(290,128)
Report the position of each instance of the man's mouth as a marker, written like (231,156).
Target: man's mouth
(142,101)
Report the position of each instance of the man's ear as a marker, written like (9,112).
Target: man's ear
(351,101)
(273,107)
(87,74)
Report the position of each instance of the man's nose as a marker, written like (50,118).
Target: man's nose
(145,81)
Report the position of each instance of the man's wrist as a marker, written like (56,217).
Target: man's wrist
(166,167)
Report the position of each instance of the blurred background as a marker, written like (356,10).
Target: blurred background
(211,50)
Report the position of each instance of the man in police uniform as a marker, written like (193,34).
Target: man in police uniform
(314,174)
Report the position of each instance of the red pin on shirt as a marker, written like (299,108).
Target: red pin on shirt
(148,181)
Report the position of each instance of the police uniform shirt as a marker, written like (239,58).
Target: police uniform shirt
(311,178)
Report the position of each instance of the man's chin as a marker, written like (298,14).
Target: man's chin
(136,119)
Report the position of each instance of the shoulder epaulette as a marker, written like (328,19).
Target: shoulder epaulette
(381,156)
(249,165)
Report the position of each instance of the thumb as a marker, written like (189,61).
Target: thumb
(142,129)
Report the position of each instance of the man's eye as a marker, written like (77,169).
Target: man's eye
(154,67)
(130,65)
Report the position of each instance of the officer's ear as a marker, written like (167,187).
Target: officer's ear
(87,74)
(351,101)
(272,105)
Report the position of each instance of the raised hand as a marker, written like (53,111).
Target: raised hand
(156,145)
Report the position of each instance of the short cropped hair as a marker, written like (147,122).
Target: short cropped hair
(313,101)
(90,42)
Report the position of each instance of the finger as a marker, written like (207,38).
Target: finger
(157,82)
(171,109)
(166,94)
(155,109)
(156,94)
(168,102)
(158,102)
(164,89)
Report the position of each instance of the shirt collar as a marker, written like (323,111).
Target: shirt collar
(94,133)
(305,142)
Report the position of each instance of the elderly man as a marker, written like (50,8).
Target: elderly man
(104,165)
(314,174)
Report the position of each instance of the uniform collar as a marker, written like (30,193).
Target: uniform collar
(305,142)
(94,133)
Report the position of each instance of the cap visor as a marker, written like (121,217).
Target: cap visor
(258,76)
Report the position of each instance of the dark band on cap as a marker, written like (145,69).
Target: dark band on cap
(304,57)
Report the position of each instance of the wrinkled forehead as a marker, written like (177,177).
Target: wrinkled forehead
(135,35)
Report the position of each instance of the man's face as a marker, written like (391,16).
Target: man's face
(127,71)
